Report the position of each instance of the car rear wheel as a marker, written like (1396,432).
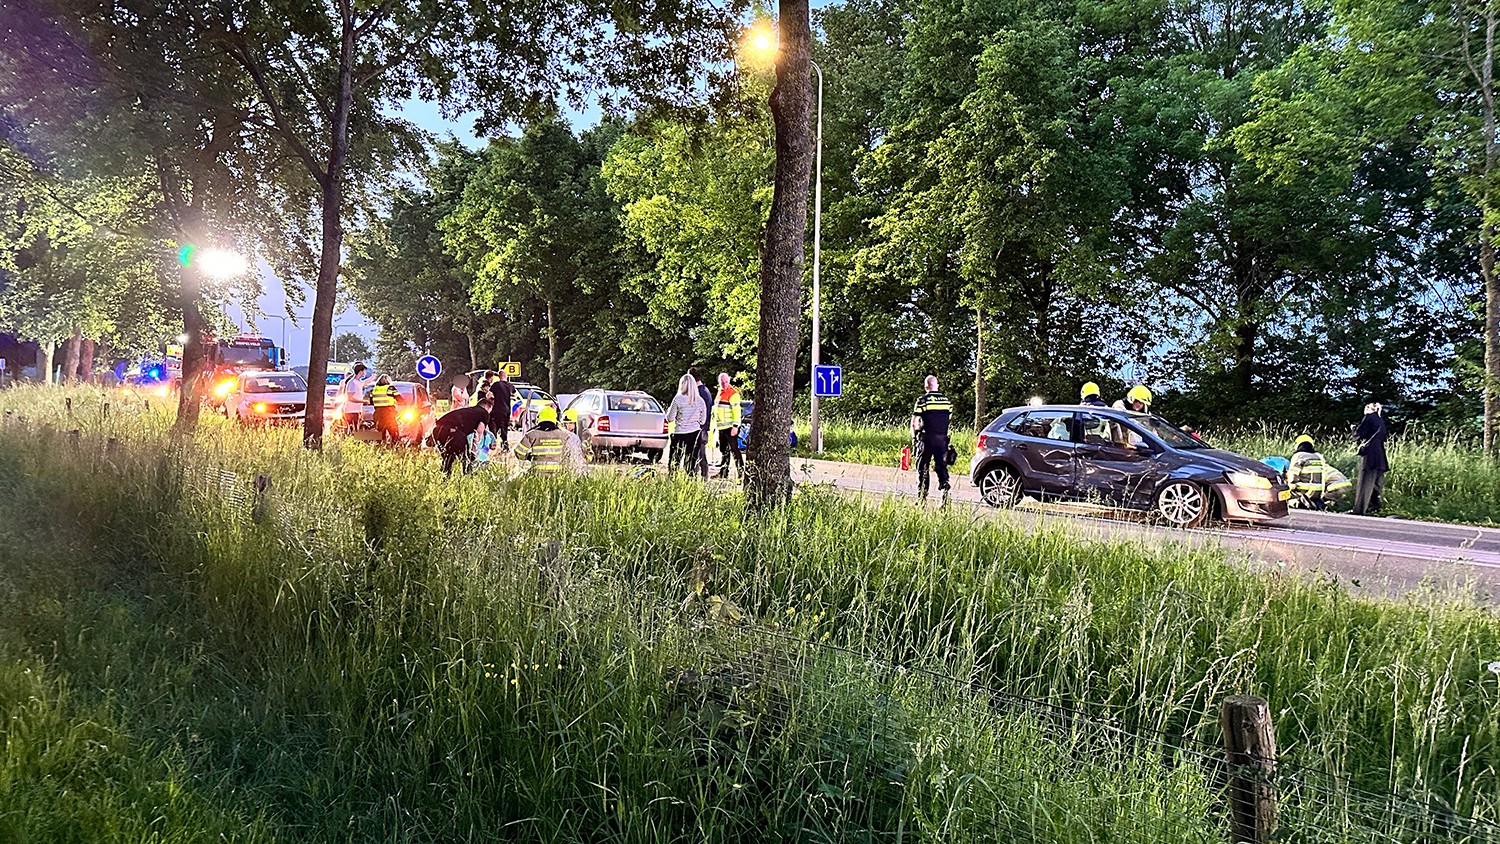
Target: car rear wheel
(1181,504)
(1000,487)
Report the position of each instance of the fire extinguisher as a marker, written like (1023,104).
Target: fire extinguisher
(906,458)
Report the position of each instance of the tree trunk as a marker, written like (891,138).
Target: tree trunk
(48,356)
(190,391)
(551,352)
(473,354)
(769,482)
(70,357)
(979,403)
(333,239)
(86,362)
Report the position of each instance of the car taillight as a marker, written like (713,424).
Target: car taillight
(984,440)
(604,423)
(664,428)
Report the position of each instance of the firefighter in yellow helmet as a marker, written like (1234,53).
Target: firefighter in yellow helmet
(1137,399)
(545,446)
(1089,396)
(1314,483)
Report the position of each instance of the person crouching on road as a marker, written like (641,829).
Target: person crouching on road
(929,423)
(545,446)
(1373,464)
(685,418)
(726,426)
(383,400)
(451,433)
(1306,474)
(1089,396)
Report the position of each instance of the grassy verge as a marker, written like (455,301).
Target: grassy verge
(1433,477)
(386,655)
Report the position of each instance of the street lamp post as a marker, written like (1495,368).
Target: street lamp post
(817,302)
(283,329)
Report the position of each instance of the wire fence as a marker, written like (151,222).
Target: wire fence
(1024,769)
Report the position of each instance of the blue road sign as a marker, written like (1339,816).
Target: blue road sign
(429,367)
(828,382)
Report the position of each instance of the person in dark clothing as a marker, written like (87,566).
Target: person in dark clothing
(1089,396)
(502,395)
(929,423)
(700,451)
(451,433)
(1373,465)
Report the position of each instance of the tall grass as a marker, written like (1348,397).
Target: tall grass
(389,655)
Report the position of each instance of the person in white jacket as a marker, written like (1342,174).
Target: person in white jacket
(686,417)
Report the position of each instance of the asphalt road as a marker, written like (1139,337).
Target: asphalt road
(1368,555)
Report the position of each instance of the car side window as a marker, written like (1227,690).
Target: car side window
(1111,433)
(1045,425)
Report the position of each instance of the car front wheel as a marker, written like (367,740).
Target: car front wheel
(1000,487)
(1181,504)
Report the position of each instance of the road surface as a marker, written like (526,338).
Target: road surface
(1369,555)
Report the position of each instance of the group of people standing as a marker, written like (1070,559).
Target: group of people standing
(382,401)
(698,413)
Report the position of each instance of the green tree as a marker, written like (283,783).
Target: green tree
(1400,76)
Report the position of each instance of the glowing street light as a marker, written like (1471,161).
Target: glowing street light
(221,263)
(762,43)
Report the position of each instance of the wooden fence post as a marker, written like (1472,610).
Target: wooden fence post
(111,448)
(75,438)
(68,403)
(1250,747)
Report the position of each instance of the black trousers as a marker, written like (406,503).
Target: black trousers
(700,455)
(730,445)
(684,451)
(934,451)
(1367,491)
(455,448)
(385,423)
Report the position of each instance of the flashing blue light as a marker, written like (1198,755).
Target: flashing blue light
(155,373)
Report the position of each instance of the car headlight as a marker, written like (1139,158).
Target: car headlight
(260,408)
(407,416)
(1247,480)
(223,389)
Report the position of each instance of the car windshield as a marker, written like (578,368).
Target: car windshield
(244,356)
(628,403)
(1169,433)
(280,382)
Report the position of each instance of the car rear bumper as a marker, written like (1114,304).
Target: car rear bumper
(624,439)
(1253,505)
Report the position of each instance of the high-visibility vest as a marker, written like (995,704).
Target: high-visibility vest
(543,448)
(384,395)
(727,409)
(1306,475)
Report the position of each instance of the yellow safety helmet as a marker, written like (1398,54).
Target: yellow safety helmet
(1303,439)
(1139,393)
(1089,389)
(547,414)
(570,415)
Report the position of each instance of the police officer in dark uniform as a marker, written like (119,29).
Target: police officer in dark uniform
(451,433)
(929,424)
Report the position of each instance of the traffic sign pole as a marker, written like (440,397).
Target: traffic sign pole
(428,368)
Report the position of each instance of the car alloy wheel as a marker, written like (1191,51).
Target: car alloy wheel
(1181,504)
(1000,487)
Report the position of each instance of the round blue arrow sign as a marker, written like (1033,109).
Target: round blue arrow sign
(429,367)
